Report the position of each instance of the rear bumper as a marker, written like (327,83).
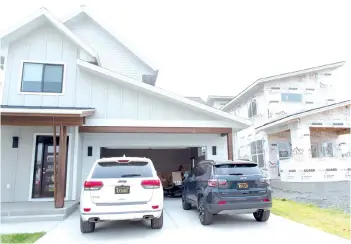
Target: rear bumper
(238,208)
(110,216)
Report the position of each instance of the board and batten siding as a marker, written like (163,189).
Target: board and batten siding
(114,101)
(113,55)
(17,164)
(44,44)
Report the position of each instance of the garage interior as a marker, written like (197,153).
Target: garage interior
(165,160)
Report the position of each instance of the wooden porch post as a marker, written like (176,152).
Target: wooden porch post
(230,145)
(55,165)
(61,178)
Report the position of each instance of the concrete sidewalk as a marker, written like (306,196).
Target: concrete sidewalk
(185,226)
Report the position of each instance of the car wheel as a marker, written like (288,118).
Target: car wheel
(86,226)
(186,205)
(204,215)
(262,215)
(157,223)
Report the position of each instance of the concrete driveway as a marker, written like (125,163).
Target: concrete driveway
(184,226)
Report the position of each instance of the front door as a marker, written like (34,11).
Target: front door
(43,183)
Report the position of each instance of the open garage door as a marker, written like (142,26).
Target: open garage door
(165,160)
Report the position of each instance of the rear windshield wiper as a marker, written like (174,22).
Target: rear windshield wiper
(236,174)
(130,175)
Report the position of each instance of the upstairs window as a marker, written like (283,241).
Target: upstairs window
(291,97)
(2,62)
(252,109)
(43,78)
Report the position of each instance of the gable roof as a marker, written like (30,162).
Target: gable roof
(197,99)
(36,20)
(84,10)
(155,91)
(303,114)
(281,76)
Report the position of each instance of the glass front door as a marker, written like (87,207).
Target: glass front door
(43,183)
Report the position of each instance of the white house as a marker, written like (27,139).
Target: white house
(76,80)
(297,122)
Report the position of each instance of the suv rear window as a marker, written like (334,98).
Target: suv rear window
(242,168)
(104,170)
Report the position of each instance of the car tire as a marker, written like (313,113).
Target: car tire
(262,215)
(205,216)
(157,223)
(86,226)
(185,204)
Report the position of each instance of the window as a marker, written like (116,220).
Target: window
(291,97)
(252,109)
(37,77)
(257,152)
(231,169)
(115,169)
(327,149)
(2,62)
(284,150)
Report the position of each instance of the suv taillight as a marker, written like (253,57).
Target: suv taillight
(93,185)
(150,184)
(216,182)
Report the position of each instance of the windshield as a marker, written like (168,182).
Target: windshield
(114,169)
(236,169)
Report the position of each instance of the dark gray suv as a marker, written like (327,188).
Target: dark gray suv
(227,187)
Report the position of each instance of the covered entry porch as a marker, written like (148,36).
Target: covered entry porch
(37,152)
(313,145)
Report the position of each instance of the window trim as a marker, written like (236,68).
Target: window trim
(253,101)
(42,93)
(256,154)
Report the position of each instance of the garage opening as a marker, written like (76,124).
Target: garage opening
(166,160)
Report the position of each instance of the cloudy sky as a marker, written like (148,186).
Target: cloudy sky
(218,47)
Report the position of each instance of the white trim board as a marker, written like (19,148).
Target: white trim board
(302,114)
(241,123)
(30,198)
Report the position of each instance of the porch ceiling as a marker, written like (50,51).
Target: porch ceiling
(44,116)
(338,131)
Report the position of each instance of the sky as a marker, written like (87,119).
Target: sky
(218,47)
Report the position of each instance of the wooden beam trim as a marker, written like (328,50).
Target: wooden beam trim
(40,121)
(41,115)
(171,130)
(230,146)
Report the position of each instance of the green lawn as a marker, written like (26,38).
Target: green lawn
(332,221)
(21,238)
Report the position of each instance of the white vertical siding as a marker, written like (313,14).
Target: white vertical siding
(44,44)
(113,55)
(17,163)
(114,101)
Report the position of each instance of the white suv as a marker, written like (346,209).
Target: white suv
(124,188)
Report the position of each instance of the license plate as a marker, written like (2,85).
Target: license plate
(243,185)
(122,190)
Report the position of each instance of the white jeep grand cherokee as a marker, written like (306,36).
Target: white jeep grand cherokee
(123,188)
